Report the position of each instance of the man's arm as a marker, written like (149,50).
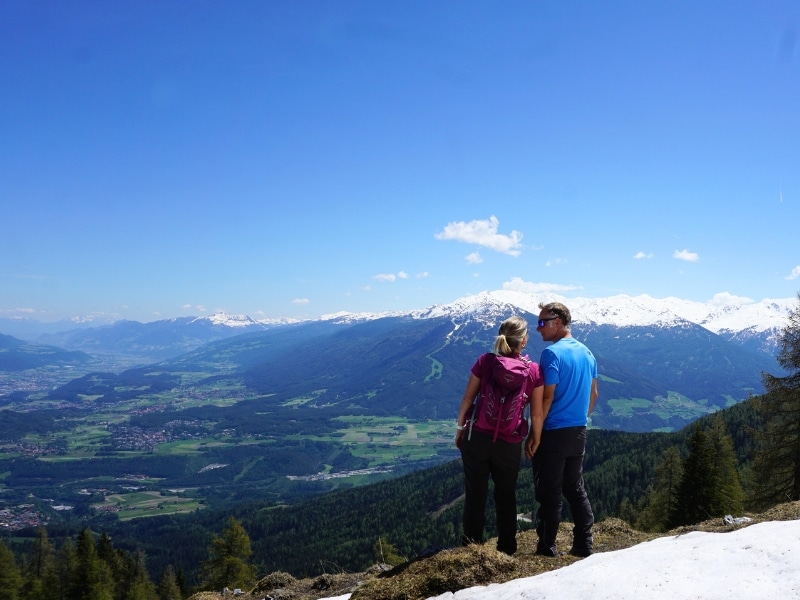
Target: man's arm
(592,397)
(538,415)
(547,399)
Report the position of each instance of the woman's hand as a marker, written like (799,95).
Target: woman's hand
(459,437)
(530,447)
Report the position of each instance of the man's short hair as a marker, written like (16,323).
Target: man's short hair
(559,310)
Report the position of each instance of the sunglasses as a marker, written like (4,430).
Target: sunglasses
(543,322)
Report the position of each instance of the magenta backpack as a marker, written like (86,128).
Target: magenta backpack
(501,403)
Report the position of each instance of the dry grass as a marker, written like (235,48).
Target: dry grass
(459,568)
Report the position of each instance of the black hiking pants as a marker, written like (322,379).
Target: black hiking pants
(557,470)
(483,458)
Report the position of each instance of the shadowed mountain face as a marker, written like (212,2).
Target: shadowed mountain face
(157,340)
(16,355)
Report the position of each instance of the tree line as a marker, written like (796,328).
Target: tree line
(89,567)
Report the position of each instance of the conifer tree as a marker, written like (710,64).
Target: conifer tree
(42,554)
(168,588)
(10,576)
(180,579)
(661,500)
(140,586)
(695,486)
(95,580)
(67,569)
(727,494)
(115,559)
(777,462)
(227,564)
(39,573)
(710,485)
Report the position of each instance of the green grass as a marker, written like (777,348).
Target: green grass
(664,407)
(436,369)
(387,440)
(624,407)
(147,504)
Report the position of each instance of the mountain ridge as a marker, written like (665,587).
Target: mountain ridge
(721,314)
(755,326)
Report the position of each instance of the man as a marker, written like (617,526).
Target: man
(557,440)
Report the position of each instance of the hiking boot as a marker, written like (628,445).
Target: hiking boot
(544,550)
(580,552)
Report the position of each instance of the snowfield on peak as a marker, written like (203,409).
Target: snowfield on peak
(628,311)
(221,318)
(768,315)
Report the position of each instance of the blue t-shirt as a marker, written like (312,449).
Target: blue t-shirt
(571,366)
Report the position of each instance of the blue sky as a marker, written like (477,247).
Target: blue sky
(292,159)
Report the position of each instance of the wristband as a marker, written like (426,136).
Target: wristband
(460,427)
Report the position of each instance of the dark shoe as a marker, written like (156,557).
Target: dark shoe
(543,550)
(581,552)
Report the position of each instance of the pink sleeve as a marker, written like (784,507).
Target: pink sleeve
(479,368)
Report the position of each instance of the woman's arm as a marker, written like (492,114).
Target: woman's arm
(473,387)
(537,420)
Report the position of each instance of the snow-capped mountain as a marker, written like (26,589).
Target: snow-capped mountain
(226,320)
(631,311)
(754,325)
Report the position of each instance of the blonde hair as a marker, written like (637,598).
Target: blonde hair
(511,335)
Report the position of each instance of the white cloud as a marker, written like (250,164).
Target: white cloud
(24,311)
(301,301)
(794,274)
(474,258)
(725,299)
(555,261)
(686,255)
(197,307)
(483,233)
(390,277)
(422,275)
(640,255)
(518,284)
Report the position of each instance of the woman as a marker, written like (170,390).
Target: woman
(489,451)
